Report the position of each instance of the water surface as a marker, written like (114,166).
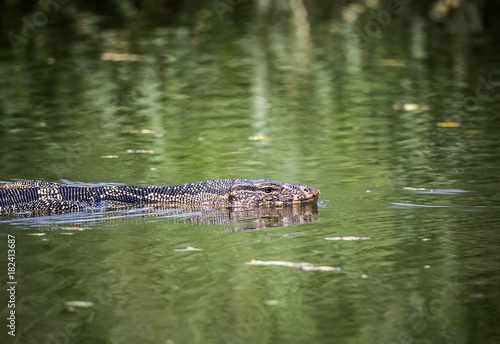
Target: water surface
(399,132)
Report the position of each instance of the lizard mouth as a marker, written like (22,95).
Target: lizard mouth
(310,197)
(316,193)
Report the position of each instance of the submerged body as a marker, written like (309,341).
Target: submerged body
(43,198)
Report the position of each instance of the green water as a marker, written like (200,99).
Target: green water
(399,131)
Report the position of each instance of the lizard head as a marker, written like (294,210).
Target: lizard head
(269,192)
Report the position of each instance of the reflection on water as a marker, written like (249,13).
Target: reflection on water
(235,219)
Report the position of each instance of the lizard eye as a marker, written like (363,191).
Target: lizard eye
(268,190)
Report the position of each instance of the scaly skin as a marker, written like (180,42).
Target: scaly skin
(45,198)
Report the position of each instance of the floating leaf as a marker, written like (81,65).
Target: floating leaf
(298,266)
(84,304)
(187,249)
(271,302)
(410,107)
(258,138)
(140,151)
(448,124)
(72,305)
(74,228)
(120,57)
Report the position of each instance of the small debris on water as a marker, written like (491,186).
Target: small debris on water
(259,138)
(72,305)
(427,266)
(297,266)
(109,56)
(37,234)
(140,151)
(187,249)
(364,276)
(426,239)
(448,124)
(476,295)
(473,131)
(143,131)
(109,157)
(410,107)
(64,233)
(348,238)
(79,303)
(147,131)
(413,189)
(74,228)
(271,302)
